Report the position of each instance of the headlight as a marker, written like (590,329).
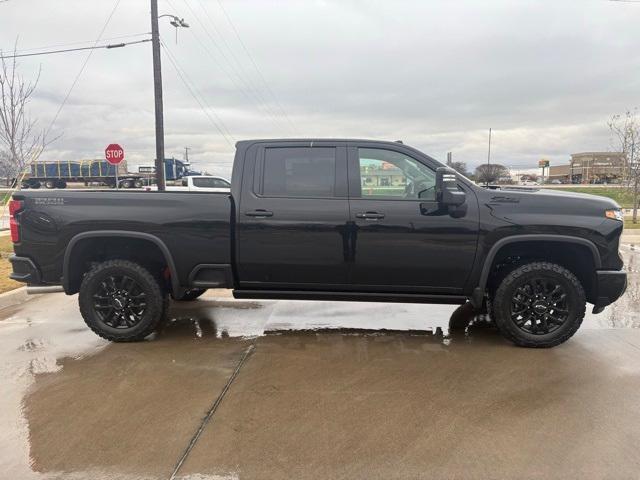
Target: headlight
(615,214)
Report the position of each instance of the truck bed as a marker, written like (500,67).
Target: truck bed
(195,227)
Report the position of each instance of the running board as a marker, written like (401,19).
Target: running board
(36,290)
(350,296)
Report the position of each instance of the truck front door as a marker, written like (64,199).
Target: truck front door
(292,216)
(404,241)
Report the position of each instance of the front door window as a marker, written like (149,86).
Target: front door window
(386,174)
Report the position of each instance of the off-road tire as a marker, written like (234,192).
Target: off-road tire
(154,314)
(50,184)
(502,303)
(190,295)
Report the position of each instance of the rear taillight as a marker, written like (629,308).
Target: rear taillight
(15,206)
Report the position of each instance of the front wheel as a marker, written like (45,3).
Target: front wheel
(190,294)
(121,301)
(539,305)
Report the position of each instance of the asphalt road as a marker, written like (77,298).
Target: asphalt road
(309,390)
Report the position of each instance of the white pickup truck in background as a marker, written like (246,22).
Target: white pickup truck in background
(199,183)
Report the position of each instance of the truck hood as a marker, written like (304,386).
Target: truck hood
(551,194)
(547,202)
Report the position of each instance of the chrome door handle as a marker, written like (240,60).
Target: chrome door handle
(370,215)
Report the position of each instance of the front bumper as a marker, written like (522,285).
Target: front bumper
(610,285)
(24,270)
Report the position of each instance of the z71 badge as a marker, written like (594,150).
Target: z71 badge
(48,201)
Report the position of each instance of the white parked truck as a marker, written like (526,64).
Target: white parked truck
(199,183)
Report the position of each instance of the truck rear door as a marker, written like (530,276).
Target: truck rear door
(292,216)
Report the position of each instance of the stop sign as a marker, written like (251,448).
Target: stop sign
(114,154)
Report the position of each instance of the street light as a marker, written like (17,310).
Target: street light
(176,22)
(157,86)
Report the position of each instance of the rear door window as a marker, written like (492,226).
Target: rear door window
(299,172)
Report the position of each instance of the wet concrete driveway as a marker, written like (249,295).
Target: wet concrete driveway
(309,390)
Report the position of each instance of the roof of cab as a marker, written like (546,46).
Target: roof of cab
(312,140)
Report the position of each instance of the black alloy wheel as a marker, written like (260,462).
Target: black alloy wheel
(539,306)
(120,301)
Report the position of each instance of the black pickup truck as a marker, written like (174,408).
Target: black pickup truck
(326,220)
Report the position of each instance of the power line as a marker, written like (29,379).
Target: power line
(51,52)
(60,45)
(217,122)
(64,101)
(84,65)
(254,63)
(232,78)
(247,89)
(230,50)
(238,70)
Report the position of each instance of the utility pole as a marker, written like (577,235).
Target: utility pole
(489,153)
(186,154)
(489,157)
(157,90)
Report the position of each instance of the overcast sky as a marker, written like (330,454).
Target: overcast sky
(544,74)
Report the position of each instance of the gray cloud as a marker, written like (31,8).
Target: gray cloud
(545,75)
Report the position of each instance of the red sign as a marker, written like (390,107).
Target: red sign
(114,154)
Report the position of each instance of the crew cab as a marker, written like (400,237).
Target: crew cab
(326,219)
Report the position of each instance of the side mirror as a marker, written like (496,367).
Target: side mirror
(447,189)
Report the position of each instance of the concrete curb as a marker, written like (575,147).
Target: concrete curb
(630,239)
(15,297)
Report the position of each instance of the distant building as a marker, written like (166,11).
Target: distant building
(384,175)
(591,167)
(559,172)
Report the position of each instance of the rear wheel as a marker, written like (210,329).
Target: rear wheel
(539,304)
(126,184)
(190,294)
(61,184)
(138,184)
(50,184)
(121,301)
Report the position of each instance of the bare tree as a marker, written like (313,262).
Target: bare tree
(460,167)
(20,140)
(490,173)
(626,131)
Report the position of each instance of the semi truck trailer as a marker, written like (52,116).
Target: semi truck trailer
(56,174)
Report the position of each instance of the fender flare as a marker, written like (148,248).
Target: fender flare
(175,284)
(479,291)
